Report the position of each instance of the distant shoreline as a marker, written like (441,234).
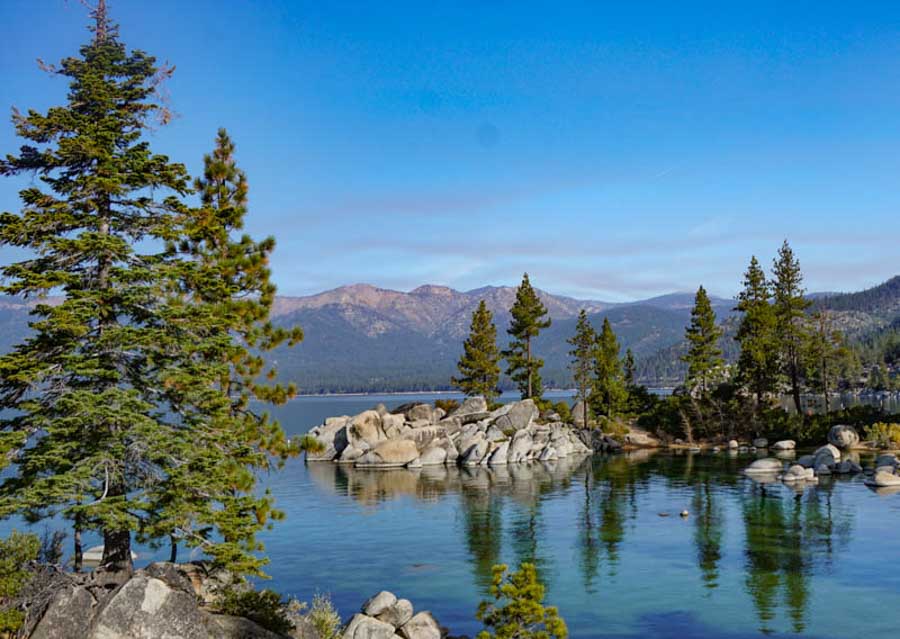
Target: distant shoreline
(442,392)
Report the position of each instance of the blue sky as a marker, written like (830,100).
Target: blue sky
(612,150)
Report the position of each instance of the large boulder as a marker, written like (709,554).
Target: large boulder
(827,455)
(391,453)
(422,626)
(520,446)
(475,453)
(333,437)
(398,613)
(365,427)
(365,627)
(229,627)
(415,411)
(637,438)
(843,437)
(884,479)
(68,615)
(515,415)
(500,455)
(784,444)
(147,607)
(578,415)
(471,405)
(377,604)
(798,473)
(761,442)
(392,425)
(434,455)
(765,466)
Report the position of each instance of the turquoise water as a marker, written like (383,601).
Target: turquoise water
(749,560)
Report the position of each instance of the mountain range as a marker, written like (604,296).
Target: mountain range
(364,338)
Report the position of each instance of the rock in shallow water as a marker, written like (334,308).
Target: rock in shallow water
(767,465)
(843,437)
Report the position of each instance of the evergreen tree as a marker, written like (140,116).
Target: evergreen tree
(583,344)
(78,425)
(528,320)
(609,386)
(211,368)
(825,356)
(479,368)
(757,366)
(790,318)
(704,354)
(628,366)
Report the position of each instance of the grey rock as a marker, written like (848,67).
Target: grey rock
(884,480)
(476,452)
(229,627)
(516,415)
(470,405)
(761,442)
(500,454)
(798,473)
(578,414)
(377,604)
(397,614)
(784,444)
(364,627)
(69,615)
(823,469)
(350,454)
(332,435)
(365,427)
(843,437)
(415,411)
(807,461)
(764,466)
(147,607)
(422,626)
(494,434)
(434,455)
(733,445)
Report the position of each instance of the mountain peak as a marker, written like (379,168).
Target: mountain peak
(434,289)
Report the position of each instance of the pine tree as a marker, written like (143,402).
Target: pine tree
(757,366)
(80,429)
(609,386)
(790,318)
(825,355)
(528,320)
(704,354)
(479,367)
(629,367)
(211,368)
(583,344)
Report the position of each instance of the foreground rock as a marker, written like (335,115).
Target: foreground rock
(417,435)
(765,466)
(384,616)
(164,600)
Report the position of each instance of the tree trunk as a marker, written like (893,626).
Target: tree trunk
(78,559)
(584,409)
(528,359)
(825,384)
(173,554)
(117,551)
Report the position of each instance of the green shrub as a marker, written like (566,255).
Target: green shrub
(884,435)
(564,411)
(517,611)
(448,405)
(265,607)
(324,618)
(310,444)
(15,552)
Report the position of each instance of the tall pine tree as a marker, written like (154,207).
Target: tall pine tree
(790,306)
(757,366)
(479,367)
(213,375)
(79,427)
(583,344)
(609,385)
(529,318)
(704,355)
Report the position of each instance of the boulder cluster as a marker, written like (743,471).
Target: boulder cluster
(418,434)
(161,600)
(834,458)
(384,616)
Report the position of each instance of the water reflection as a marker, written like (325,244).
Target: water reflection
(780,540)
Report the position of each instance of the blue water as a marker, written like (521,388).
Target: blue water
(750,560)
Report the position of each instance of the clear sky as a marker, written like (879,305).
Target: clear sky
(613,150)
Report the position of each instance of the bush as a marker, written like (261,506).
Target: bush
(448,405)
(324,618)
(564,411)
(884,435)
(51,551)
(15,553)
(265,607)
(517,611)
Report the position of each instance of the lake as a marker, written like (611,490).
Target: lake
(750,560)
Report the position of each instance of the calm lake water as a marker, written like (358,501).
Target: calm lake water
(749,560)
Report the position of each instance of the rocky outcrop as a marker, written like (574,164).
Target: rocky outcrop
(384,616)
(843,437)
(164,600)
(417,435)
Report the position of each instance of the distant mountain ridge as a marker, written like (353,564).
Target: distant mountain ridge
(364,338)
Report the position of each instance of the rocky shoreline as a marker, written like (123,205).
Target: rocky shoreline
(419,434)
